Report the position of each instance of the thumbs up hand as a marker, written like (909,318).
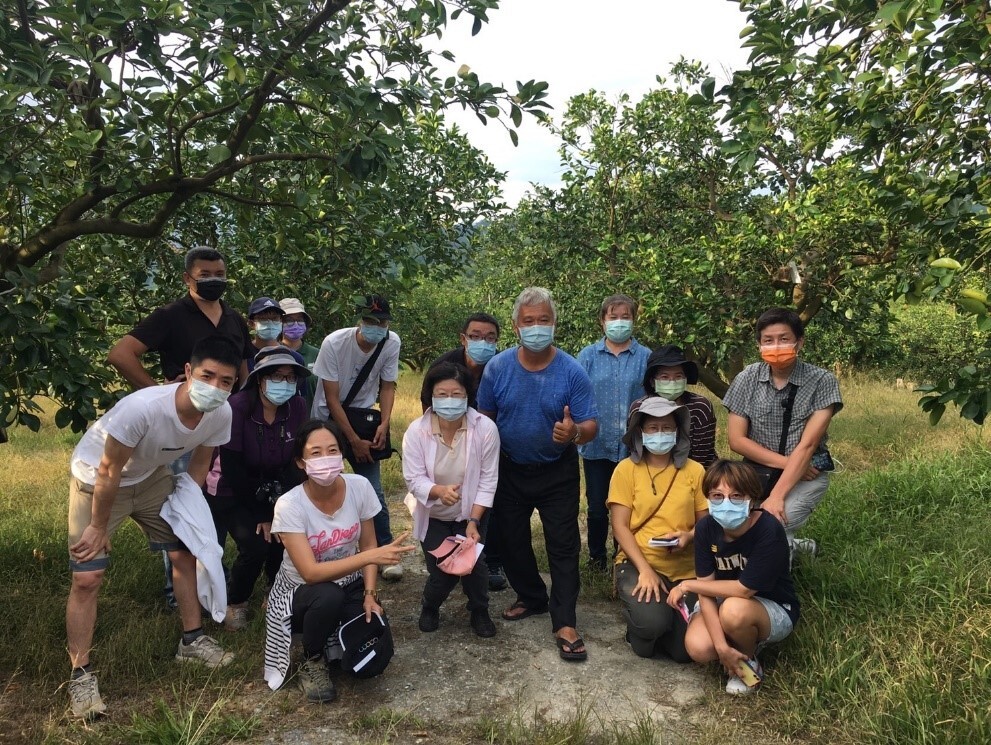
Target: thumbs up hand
(565,430)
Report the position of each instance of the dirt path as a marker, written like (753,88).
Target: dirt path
(440,685)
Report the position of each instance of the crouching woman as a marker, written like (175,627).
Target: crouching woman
(745,592)
(330,570)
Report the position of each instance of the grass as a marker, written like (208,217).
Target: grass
(893,646)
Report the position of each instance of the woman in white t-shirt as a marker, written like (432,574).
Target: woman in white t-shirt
(330,570)
(451,467)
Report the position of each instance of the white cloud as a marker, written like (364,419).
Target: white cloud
(575,45)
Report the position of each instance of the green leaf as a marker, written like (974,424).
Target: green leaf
(218,154)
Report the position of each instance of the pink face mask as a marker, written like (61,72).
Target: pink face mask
(325,469)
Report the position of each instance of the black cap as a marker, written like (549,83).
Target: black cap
(366,646)
(260,304)
(375,306)
(670,355)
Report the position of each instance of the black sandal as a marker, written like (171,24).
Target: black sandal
(567,649)
(527,611)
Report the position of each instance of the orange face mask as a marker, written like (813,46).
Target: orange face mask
(779,356)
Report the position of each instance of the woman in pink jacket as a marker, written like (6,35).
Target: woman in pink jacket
(451,466)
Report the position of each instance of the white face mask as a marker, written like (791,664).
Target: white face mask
(206,397)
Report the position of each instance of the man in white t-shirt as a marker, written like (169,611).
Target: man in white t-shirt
(120,469)
(342,355)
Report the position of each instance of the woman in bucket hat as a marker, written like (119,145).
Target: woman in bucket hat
(253,469)
(655,500)
(667,375)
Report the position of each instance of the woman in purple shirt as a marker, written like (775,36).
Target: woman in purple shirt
(255,468)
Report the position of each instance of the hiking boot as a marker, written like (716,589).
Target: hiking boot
(203,649)
(236,618)
(497,580)
(314,679)
(481,624)
(393,573)
(429,619)
(84,694)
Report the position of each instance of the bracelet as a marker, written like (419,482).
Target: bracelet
(577,437)
(475,520)
(373,593)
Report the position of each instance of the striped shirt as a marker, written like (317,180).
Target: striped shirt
(753,396)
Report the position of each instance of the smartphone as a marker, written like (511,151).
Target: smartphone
(683,609)
(663,543)
(747,673)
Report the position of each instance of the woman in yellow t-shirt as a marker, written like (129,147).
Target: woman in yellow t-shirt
(655,499)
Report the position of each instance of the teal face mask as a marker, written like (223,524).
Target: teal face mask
(536,338)
(373,334)
(268,330)
(619,331)
(660,443)
(279,391)
(670,389)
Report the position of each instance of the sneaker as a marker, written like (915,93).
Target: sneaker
(735,685)
(236,618)
(314,679)
(481,624)
(429,619)
(805,546)
(497,580)
(393,572)
(204,649)
(84,693)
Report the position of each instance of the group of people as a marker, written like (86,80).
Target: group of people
(264,423)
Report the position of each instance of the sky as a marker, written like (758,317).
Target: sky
(574,45)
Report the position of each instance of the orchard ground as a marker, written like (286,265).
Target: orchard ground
(892,647)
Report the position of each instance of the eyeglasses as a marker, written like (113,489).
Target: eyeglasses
(717,498)
(282,377)
(491,338)
(449,395)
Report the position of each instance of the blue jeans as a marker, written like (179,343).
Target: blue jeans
(598,472)
(373,472)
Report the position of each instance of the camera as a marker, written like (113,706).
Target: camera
(269,492)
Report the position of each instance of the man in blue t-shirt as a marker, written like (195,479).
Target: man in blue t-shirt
(542,401)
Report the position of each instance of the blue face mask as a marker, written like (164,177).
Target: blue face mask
(279,391)
(660,443)
(373,334)
(480,351)
(536,338)
(268,330)
(206,397)
(449,409)
(619,331)
(730,515)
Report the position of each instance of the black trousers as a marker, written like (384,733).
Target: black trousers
(254,553)
(439,583)
(317,611)
(552,489)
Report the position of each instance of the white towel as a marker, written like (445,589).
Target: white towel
(187,512)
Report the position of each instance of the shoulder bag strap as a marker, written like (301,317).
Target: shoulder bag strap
(789,405)
(363,374)
(659,505)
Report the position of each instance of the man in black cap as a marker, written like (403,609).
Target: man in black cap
(667,375)
(344,355)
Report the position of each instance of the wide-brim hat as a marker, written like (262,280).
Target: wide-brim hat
(291,305)
(374,306)
(670,355)
(658,406)
(260,304)
(275,356)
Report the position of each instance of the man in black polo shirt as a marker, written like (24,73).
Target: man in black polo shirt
(174,329)
(479,337)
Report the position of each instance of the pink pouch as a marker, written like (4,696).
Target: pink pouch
(456,555)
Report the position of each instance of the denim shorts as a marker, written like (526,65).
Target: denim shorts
(781,625)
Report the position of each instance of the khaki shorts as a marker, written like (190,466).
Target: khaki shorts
(142,502)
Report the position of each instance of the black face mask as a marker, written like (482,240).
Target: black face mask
(211,288)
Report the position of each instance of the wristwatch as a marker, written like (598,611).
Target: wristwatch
(373,593)
(475,520)
(578,436)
